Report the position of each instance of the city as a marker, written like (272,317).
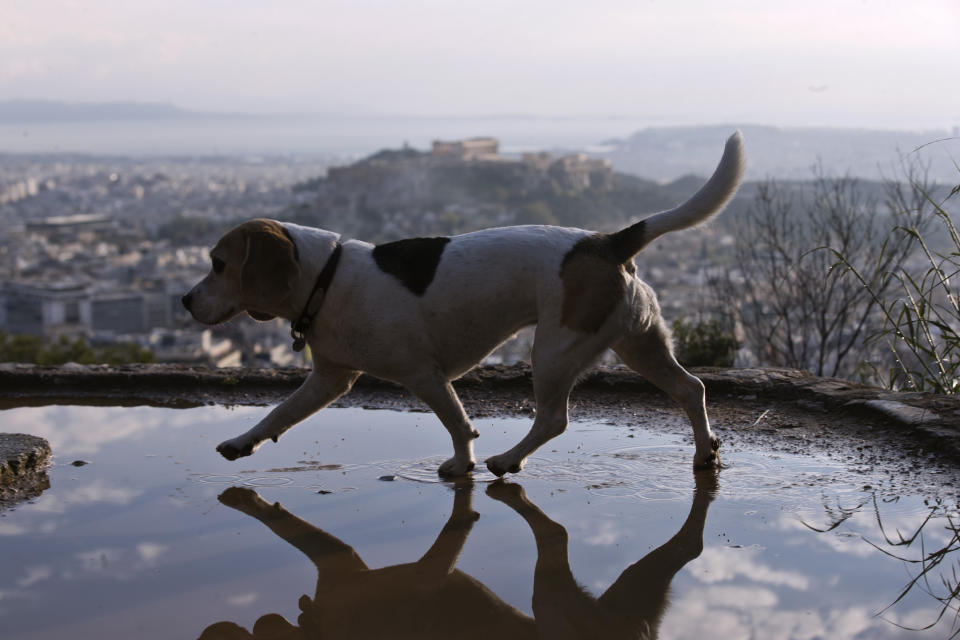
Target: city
(93,248)
(102,248)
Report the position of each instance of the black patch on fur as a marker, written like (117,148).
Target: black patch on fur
(616,248)
(413,261)
(624,244)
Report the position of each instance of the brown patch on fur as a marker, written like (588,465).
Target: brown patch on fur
(269,268)
(593,283)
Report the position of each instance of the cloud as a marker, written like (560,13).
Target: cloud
(150,552)
(723,564)
(11,529)
(477,56)
(243,599)
(121,563)
(98,560)
(604,533)
(96,491)
(83,431)
(735,613)
(35,575)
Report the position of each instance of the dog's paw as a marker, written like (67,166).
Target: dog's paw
(455,467)
(231,450)
(500,465)
(506,492)
(242,499)
(709,459)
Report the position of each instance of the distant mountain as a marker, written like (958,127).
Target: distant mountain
(666,153)
(49,111)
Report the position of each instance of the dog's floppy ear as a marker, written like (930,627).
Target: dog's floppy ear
(270,267)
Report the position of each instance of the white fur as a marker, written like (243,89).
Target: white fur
(488,285)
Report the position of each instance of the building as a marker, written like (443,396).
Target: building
(67,227)
(470,149)
(578,172)
(193,347)
(43,308)
(18,190)
(68,307)
(118,313)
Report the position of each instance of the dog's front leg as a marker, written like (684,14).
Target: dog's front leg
(321,387)
(437,392)
(334,558)
(439,561)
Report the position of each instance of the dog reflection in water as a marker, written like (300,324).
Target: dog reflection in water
(430,598)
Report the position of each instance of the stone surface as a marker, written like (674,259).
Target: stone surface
(932,420)
(23,463)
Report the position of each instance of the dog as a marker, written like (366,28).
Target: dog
(423,311)
(431,598)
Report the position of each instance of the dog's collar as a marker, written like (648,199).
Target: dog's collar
(300,326)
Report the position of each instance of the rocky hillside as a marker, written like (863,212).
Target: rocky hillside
(402,193)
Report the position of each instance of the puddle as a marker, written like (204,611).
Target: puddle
(158,537)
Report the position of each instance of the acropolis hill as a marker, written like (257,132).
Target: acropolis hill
(468,184)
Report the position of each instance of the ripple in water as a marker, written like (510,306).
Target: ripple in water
(425,470)
(655,472)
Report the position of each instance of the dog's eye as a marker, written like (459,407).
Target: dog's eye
(218,264)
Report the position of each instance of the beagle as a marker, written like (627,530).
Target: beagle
(422,312)
(432,598)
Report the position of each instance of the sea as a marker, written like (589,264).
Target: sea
(340,136)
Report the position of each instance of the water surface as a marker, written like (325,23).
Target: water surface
(344,525)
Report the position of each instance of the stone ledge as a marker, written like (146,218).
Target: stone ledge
(23,462)
(929,415)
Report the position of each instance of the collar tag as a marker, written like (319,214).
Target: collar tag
(299,342)
(298,331)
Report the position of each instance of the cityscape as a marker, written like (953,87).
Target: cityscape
(97,250)
(101,248)
(91,248)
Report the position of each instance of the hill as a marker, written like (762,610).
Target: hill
(664,153)
(402,193)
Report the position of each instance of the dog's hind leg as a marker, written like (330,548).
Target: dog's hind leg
(651,355)
(438,394)
(559,356)
(561,607)
(323,386)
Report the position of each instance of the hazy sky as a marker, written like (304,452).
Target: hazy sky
(892,63)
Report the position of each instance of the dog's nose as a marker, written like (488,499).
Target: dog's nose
(186,300)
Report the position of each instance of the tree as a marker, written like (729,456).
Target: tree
(34,349)
(791,312)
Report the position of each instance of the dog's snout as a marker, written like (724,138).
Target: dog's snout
(187,300)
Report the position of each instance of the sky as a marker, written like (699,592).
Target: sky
(883,63)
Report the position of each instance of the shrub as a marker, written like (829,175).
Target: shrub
(708,343)
(920,308)
(34,349)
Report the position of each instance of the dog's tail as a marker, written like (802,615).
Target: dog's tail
(705,203)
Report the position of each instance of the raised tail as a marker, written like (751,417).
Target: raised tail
(705,203)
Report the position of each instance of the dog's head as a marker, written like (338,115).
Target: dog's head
(254,268)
